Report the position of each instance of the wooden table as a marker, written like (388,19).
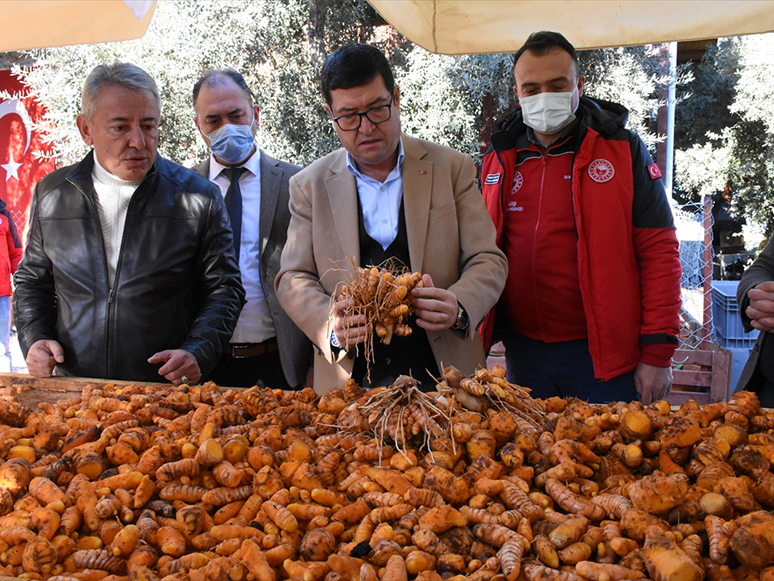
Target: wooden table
(33,390)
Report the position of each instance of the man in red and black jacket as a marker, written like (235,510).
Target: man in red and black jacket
(591,304)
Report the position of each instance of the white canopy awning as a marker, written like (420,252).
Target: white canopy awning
(483,26)
(44,23)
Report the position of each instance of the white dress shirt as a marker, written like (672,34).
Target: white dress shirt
(380,202)
(255,324)
(113,196)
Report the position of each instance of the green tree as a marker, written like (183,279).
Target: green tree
(751,140)
(702,118)
(725,127)
(703,111)
(442,96)
(631,76)
(294,122)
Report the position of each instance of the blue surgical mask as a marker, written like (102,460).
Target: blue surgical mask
(232,143)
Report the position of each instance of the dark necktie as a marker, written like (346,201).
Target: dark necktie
(234,204)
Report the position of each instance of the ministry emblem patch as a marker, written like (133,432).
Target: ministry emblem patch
(601,171)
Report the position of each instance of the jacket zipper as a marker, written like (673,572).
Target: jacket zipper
(535,233)
(108,365)
(111,298)
(590,321)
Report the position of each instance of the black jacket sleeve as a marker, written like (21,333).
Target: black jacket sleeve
(222,295)
(762,270)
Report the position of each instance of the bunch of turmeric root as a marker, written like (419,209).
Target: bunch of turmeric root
(195,483)
(383,295)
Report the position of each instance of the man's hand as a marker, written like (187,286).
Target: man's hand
(43,357)
(436,308)
(349,329)
(178,363)
(652,383)
(761,308)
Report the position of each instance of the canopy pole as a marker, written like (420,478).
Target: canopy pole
(670,140)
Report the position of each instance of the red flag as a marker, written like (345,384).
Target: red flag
(19,168)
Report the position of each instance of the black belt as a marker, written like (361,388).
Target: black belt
(243,350)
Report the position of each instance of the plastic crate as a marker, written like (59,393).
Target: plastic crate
(738,361)
(728,326)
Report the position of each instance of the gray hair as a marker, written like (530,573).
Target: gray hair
(122,74)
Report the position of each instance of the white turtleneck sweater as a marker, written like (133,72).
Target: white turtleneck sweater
(113,195)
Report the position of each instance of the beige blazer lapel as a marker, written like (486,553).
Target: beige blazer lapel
(342,195)
(417,193)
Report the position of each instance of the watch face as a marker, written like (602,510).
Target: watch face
(460,322)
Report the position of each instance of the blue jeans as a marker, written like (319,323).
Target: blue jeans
(5,334)
(561,369)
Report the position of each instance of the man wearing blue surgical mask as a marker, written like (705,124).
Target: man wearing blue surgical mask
(591,304)
(266,349)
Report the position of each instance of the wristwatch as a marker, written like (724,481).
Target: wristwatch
(334,340)
(462,319)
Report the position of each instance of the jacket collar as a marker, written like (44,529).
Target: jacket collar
(417,195)
(81,174)
(603,116)
(271,185)
(342,196)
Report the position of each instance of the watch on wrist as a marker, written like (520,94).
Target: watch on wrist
(462,319)
(334,340)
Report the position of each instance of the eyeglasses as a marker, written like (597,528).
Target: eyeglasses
(352,121)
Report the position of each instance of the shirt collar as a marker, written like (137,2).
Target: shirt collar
(352,165)
(253,164)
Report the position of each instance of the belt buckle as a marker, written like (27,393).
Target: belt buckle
(253,349)
(245,351)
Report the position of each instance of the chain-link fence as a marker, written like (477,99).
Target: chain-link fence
(710,273)
(694,233)
(709,317)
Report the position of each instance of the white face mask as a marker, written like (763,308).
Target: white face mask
(549,113)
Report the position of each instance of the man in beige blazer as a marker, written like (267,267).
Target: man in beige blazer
(386,195)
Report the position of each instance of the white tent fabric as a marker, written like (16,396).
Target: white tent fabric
(483,26)
(31,24)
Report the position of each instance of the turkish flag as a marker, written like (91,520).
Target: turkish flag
(20,170)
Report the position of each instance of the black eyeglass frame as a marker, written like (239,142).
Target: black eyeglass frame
(365,114)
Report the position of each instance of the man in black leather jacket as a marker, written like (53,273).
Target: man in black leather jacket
(129,271)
